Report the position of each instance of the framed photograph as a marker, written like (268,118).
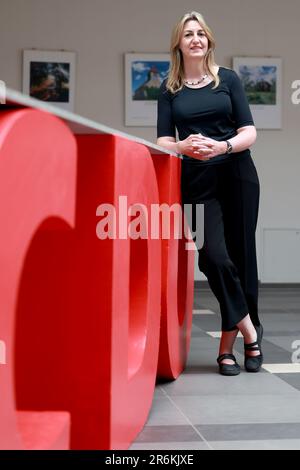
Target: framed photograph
(2,92)
(261,78)
(50,76)
(144,74)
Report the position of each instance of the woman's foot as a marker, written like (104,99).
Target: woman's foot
(226,360)
(228,369)
(250,334)
(253,353)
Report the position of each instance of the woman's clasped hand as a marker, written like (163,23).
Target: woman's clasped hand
(200,147)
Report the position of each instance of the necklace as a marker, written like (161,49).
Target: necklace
(198,81)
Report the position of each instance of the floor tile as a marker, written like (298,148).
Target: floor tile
(291,379)
(282,368)
(207,322)
(217,334)
(204,343)
(265,310)
(240,408)
(216,385)
(168,433)
(288,343)
(249,431)
(284,444)
(163,411)
(198,332)
(203,311)
(170,446)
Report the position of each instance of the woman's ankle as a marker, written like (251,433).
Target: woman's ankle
(247,329)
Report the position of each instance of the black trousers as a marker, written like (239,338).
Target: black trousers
(229,191)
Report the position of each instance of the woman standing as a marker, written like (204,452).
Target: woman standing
(207,105)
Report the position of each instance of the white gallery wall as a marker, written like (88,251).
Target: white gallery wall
(101,31)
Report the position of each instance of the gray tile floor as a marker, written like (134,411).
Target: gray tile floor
(204,410)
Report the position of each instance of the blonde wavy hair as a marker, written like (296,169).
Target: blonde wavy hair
(176,71)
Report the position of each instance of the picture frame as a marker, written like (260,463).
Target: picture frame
(2,92)
(262,81)
(50,76)
(144,73)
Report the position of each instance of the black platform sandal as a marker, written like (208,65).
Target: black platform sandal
(254,363)
(228,369)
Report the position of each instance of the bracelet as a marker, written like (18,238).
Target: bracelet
(229,147)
